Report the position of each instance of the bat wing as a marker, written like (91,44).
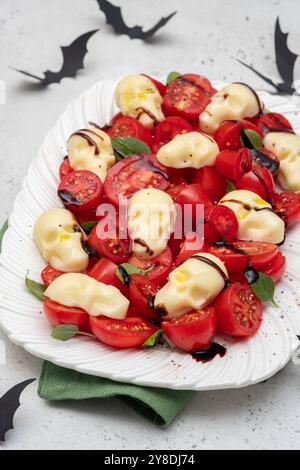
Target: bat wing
(266,79)
(285,59)
(115,19)
(9,403)
(73,57)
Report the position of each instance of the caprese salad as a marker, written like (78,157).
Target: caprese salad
(216,162)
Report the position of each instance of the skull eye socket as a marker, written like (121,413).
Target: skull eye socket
(196,292)
(51,236)
(182,276)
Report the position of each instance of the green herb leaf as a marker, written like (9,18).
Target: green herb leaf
(129,269)
(65,332)
(2,232)
(230,187)
(264,288)
(35,288)
(254,139)
(126,146)
(172,76)
(88,226)
(153,340)
(267,111)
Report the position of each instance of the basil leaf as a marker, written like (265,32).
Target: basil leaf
(264,288)
(253,138)
(2,232)
(153,340)
(65,332)
(126,270)
(230,187)
(88,226)
(172,76)
(267,111)
(126,146)
(35,288)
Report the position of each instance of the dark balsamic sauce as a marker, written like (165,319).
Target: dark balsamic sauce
(89,250)
(213,265)
(269,130)
(265,161)
(247,142)
(149,166)
(161,311)
(231,246)
(196,85)
(251,274)
(150,301)
(125,275)
(144,245)
(207,355)
(68,198)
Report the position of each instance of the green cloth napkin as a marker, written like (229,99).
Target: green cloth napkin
(160,406)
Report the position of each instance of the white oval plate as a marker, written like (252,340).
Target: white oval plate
(246,362)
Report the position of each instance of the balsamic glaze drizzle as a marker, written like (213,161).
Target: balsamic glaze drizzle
(207,355)
(265,161)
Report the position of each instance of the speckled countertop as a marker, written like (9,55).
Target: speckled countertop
(202,38)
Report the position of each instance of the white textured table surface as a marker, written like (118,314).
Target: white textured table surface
(202,38)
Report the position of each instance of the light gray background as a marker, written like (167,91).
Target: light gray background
(201,38)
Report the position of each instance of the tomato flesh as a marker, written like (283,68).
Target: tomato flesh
(193,244)
(58,314)
(132,332)
(128,126)
(166,130)
(115,249)
(161,266)
(65,168)
(80,191)
(287,206)
(193,331)
(49,275)
(224,222)
(259,181)
(233,164)
(239,311)
(105,271)
(142,292)
(228,135)
(211,182)
(276,268)
(273,122)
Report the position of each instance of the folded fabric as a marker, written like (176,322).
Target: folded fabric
(160,406)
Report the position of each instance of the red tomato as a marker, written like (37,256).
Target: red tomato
(275,268)
(224,222)
(228,135)
(114,249)
(49,275)
(162,266)
(65,168)
(239,311)
(188,96)
(193,244)
(194,331)
(160,86)
(166,130)
(80,191)
(129,333)
(238,254)
(287,206)
(195,197)
(233,164)
(177,184)
(266,159)
(127,126)
(273,122)
(260,181)
(60,315)
(212,183)
(105,271)
(132,174)
(142,293)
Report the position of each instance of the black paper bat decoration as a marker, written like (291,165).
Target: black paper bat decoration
(9,404)
(285,60)
(115,19)
(73,56)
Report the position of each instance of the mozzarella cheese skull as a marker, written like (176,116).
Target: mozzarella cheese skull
(234,102)
(82,291)
(191,150)
(151,218)
(192,286)
(90,149)
(58,237)
(138,97)
(286,146)
(257,221)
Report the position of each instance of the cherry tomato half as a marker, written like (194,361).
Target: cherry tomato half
(160,86)
(233,164)
(273,122)
(132,332)
(239,311)
(132,174)
(287,206)
(276,268)
(177,184)
(238,254)
(49,275)
(115,249)
(259,181)
(228,135)
(127,126)
(224,223)
(166,130)
(105,271)
(80,191)
(211,181)
(161,266)
(188,96)
(193,244)
(142,293)
(60,315)
(193,331)
(266,159)
(65,168)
